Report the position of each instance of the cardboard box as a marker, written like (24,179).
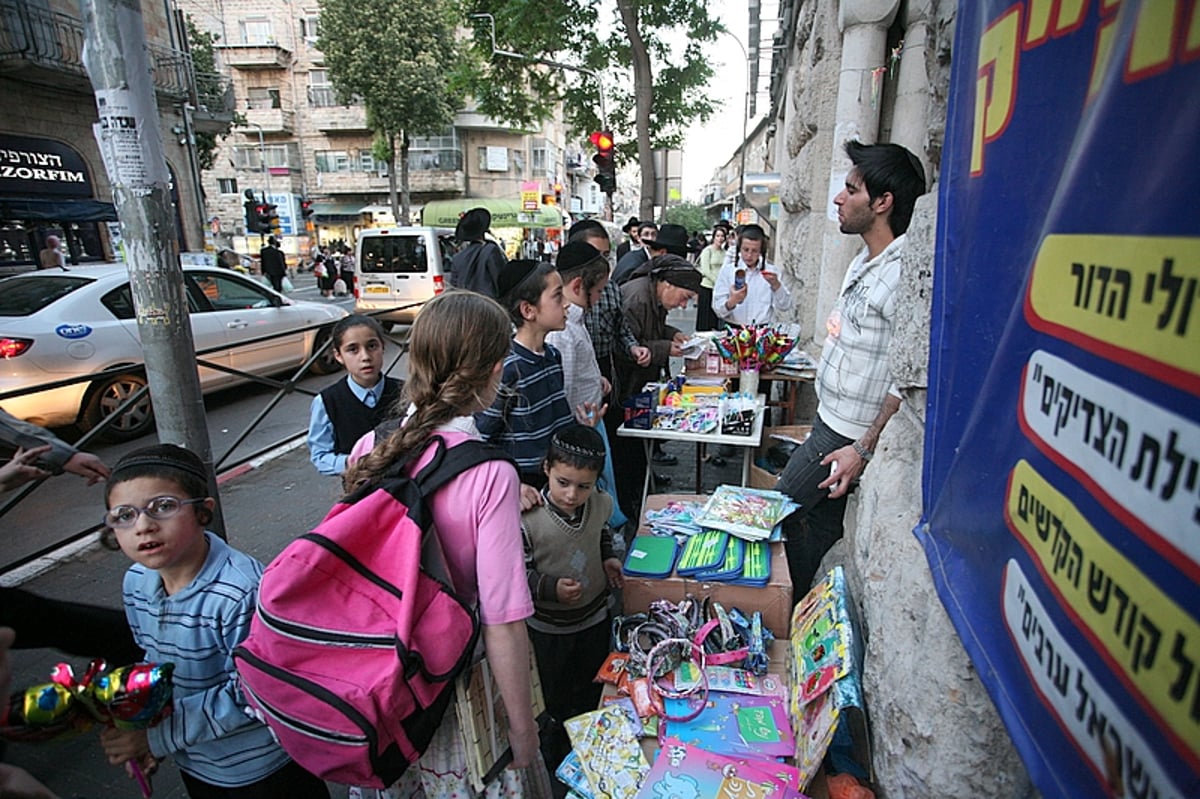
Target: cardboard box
(774,600)
(760,477)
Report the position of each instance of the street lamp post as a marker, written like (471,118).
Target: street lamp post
(745,119)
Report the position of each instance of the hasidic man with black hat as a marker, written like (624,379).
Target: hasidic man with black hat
(631,237)
(669,239)
(477,265)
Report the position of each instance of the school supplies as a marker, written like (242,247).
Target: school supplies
(749,513)
(651,556)
(609,752)
(733,724)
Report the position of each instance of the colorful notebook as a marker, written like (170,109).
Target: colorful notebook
(683,770)
(610,754)
(651,556)
(734,724)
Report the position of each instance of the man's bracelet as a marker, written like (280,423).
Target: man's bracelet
(862,452)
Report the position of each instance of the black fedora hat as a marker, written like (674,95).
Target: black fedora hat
(473,224)
(673,239)
(631,224)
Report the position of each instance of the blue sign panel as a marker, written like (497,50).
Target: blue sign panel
(1062,459)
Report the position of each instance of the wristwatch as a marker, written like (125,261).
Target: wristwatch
(862,452)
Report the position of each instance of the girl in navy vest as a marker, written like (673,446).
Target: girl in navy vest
(350,408)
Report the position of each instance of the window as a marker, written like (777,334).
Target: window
(262,97)
(394,254)
(275,155)
(332,160)
(227,185)
(538,159)
(310,27)
(256,30)
(493,159)
(366,161)
(437,153)
(230,294)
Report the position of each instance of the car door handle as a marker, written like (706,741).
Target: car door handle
(237,325)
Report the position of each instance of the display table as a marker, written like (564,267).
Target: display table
(790,386)
(774,600)
(748,444)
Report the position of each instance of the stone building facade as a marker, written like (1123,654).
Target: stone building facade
(299,142)
(935,731)
(52,180)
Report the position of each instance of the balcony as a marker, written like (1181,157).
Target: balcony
(215,103)
(273,121)
(46,47)
(333,117)
(265,55)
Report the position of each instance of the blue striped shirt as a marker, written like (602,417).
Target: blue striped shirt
(209,733)
(530,406)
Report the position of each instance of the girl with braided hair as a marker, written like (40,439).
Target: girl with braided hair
(457,349)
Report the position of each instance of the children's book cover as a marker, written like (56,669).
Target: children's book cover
(733,724)
(609,752)
(748,513)
(683,771)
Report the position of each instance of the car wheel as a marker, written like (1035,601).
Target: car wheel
(106,396)
(326,364)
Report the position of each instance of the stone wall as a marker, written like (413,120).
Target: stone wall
(935,731)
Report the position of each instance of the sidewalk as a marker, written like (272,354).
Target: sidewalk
(265,507)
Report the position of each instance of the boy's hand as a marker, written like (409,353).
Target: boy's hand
(588,414)
(612,568)
(124,745)
(568,590)
(530,497)
(88,466)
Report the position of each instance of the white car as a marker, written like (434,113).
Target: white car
(55,325)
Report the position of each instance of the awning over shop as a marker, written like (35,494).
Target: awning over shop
(346,210)
(56,210)
(505,213)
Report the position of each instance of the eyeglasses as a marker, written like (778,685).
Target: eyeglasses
(159,508)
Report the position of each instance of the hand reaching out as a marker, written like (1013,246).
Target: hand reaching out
(20,469)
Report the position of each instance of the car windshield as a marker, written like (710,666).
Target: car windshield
(23,296)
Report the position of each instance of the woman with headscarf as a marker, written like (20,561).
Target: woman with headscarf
(662,284)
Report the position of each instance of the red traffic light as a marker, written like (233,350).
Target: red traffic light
(603,140)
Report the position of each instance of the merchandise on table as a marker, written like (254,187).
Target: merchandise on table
(756,347)
(651,556)
(683,770)
(610,755)
(749,513)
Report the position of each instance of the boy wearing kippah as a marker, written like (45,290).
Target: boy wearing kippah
(189,598)
(570,566)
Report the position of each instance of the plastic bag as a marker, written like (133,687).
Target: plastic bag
(319,269)
(288,287)
(339,287)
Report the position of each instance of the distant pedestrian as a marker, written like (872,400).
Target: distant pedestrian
(476,267)
(189,598)
(631,237)
(52,256)
(346,269)
(347,410)
(273,264)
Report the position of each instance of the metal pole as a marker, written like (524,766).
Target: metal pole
(741,199)
(262,169)
(130,143)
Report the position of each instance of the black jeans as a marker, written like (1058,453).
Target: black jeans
(817,525)
(567,665)
(290,782)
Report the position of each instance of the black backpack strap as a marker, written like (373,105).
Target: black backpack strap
(449,462)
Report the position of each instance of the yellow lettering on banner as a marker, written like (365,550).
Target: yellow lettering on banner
(1191,43)
(1152,641)
(1106,35)
(1132,293)
(1154,35)
(995,82)
(1070,14)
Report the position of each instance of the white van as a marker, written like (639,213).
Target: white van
(399,268)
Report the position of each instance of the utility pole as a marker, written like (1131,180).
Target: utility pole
(117,63)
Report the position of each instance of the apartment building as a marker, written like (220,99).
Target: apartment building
(52,179)
(299,142)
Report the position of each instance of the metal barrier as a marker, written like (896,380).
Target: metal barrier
(283,387)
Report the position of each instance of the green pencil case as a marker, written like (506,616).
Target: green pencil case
(703,552)
(651,556)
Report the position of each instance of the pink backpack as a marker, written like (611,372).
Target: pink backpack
(358,636)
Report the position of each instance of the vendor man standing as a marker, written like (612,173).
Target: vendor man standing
(855,390)
(748,290)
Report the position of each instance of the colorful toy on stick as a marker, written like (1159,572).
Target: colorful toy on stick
(755,347)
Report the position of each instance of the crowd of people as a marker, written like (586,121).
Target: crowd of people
(536,358)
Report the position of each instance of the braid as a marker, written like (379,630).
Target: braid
(456,342)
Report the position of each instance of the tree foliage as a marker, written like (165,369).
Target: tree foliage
(606,39)
(396,57)
(204,62)
(692,216)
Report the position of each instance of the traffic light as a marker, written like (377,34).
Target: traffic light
(606,168)
(306,209)
(558,194)
(251,206)
(268,220)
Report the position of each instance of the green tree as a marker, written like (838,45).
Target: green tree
(395,56)
(654,90)
(692,216)
(204,66)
